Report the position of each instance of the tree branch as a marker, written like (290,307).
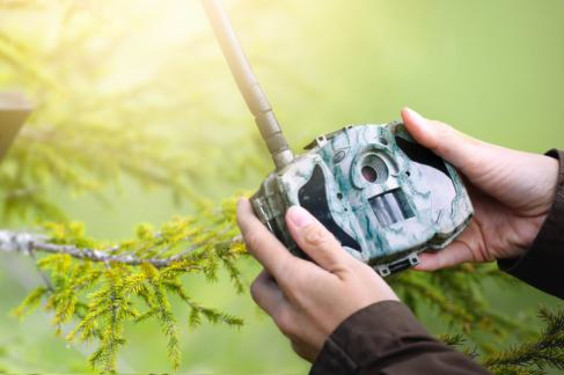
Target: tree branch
(27,243)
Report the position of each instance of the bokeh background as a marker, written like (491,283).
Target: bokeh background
(493,69)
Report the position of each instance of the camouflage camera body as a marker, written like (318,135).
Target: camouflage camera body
(384,197)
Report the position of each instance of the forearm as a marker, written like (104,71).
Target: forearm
(386,338)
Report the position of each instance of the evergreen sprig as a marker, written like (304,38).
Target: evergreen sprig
(99,294)
(457,295)
(534,357)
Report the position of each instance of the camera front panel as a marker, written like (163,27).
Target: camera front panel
(382,195)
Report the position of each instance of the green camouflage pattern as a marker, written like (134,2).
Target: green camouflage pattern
(393,206)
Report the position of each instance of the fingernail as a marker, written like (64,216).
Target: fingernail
(299,216)
(420,121)
(414,115)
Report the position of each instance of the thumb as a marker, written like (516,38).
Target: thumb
(460,150)
(315,240)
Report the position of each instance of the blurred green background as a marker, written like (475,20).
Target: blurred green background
(493,69)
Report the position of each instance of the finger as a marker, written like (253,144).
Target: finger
(457,148)
(315,240)
(455,254)
(262,244)
(266,293)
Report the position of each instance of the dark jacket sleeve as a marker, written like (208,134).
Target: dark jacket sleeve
(385,338)
(543,264)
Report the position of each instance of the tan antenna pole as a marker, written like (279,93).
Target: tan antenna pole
(248,84)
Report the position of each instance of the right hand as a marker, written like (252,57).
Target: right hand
(512,192)
(307,300)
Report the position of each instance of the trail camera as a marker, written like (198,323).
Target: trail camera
(382,195)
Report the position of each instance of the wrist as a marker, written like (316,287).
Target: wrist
(541,232)
(547,185)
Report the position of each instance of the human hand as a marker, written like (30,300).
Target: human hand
(511,191)
(308,301)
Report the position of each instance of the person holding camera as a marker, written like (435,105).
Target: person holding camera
(341,316)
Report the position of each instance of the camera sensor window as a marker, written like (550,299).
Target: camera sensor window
(391,207)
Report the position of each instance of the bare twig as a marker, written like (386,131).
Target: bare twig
(27,243)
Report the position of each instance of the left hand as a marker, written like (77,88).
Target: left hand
(307,300)
(511,191)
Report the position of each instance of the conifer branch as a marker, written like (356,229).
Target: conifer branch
(547,351)
(100,288)
(26,243)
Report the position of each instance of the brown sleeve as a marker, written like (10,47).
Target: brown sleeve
(386,338)
(543,265)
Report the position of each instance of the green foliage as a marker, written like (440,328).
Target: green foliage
(80,142)
(458,295)
(101,296)
(533,357)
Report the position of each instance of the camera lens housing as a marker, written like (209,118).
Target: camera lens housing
(373,169)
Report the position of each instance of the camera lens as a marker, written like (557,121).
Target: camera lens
(369,173)
(373,169)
